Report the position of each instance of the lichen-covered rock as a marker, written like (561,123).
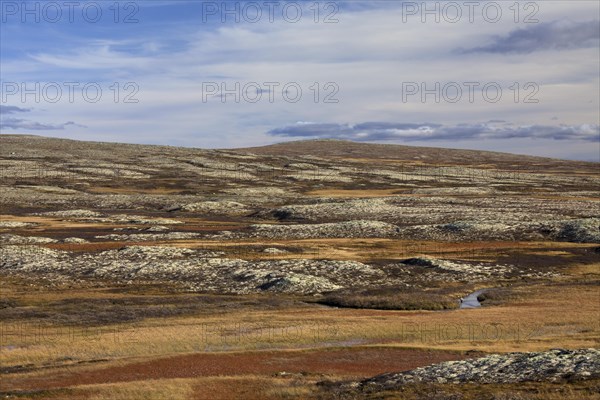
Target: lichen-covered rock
(218,207)
(435,269)
(16,224)
(9,238)
(580,231)
(274,250)
(550,366)
(74,240)
(148,237)
(348,229)
(71,214)
(199,270)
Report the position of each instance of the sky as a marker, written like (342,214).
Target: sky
(520,77)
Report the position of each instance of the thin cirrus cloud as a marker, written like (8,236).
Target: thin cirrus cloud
(554,35)
(386,131)
(19,123)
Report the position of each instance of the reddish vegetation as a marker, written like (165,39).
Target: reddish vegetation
(361,362)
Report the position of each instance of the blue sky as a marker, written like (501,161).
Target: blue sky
(490,76)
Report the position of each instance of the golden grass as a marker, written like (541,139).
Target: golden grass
(247,387)
(585,269)
(546,317)
(163,389)
(538,318)
(564,313)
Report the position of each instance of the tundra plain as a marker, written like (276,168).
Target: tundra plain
(294,271)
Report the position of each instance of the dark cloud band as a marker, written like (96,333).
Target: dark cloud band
(544,36)
(386,131)
(19,123)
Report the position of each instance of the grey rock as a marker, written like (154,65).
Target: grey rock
(550,366)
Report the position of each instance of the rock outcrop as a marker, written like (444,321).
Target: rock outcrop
(549,366)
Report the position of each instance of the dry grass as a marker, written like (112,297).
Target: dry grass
(153,340)
(585,269)
(366,250)
(540,318)
(205,388)
(303,388)
(175,389)
(589,390)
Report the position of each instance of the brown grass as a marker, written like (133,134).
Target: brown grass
(537,318)
(351,362)
(392,299)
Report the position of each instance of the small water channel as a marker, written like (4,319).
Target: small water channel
(471,301)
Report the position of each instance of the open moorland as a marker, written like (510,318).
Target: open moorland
(305,270)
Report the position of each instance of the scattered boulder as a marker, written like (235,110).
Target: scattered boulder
(347,229)
(9,238)
(71,214)
(74,240)
(274,250)
(218,207)
(16,224)
(298,283)
(580,231)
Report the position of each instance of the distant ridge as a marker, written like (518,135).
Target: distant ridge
(348,149)
(324,148)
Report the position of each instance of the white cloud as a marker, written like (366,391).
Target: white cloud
(369,55)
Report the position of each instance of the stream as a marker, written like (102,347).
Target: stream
(471,301)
